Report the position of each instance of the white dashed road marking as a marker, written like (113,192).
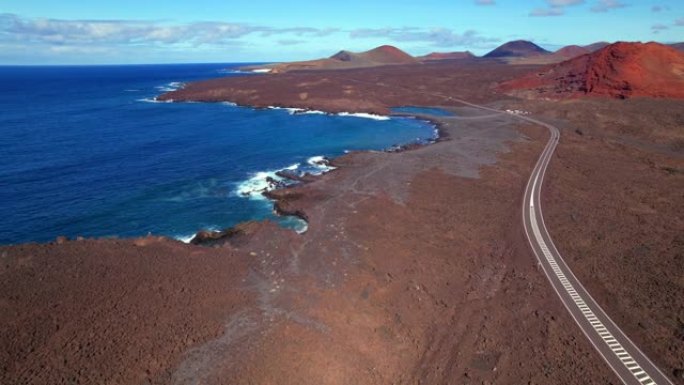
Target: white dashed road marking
(600,328)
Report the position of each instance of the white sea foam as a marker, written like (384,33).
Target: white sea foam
(317,160)
(170,87)
(302,227)
(261,70)
(230,104)
(290,110)
(188,238)
(260,182)
(232,71)
(313,112)
(364,115)
(154,100)
(321,164)
(185,238)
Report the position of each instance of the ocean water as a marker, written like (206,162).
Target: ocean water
(421,111)
(87,151)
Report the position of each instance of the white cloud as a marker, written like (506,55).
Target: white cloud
(607,5)
(563,3)
(543,12)
(656,28)
(556,8)
(438,37)
(14,28)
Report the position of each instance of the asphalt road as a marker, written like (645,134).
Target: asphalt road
(629,363)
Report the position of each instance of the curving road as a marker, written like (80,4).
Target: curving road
(628,362)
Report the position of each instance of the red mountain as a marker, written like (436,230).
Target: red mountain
(571,51)
(446,56)
(619,70)
(387,54)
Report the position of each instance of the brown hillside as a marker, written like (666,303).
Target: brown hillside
(446,56)
(571,51)
(383,55)
(620,70)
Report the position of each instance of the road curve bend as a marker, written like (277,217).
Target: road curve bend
(630,364)
(622,355)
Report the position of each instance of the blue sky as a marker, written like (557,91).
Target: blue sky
(171,31)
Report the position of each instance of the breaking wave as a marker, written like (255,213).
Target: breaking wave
(169,87)
(154,100)
(304,111)
(263,181)
(364,115)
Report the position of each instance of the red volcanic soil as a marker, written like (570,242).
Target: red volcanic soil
(414,269)
(620,70)
(571,51)
(387,54)
(517,48)
(446,56)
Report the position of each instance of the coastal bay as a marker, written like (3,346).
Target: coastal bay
(410,269)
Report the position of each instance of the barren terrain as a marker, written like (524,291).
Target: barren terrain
(414,270)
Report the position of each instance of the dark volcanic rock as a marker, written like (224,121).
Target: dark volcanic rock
(517,48)
(296,177)
(214,238)
(343,56)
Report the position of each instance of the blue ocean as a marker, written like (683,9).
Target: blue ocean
(87,151)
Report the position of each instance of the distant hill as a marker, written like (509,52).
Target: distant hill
(596,46)
(678,46)
(383,55)
(446,56)
(571,51)
(563,54)
(619,70)
(518,48)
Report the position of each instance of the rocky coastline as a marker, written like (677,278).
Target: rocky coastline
(412,270)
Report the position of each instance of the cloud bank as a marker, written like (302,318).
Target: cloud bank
(437,37)
(125,32)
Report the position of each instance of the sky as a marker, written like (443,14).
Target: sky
(223,31)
